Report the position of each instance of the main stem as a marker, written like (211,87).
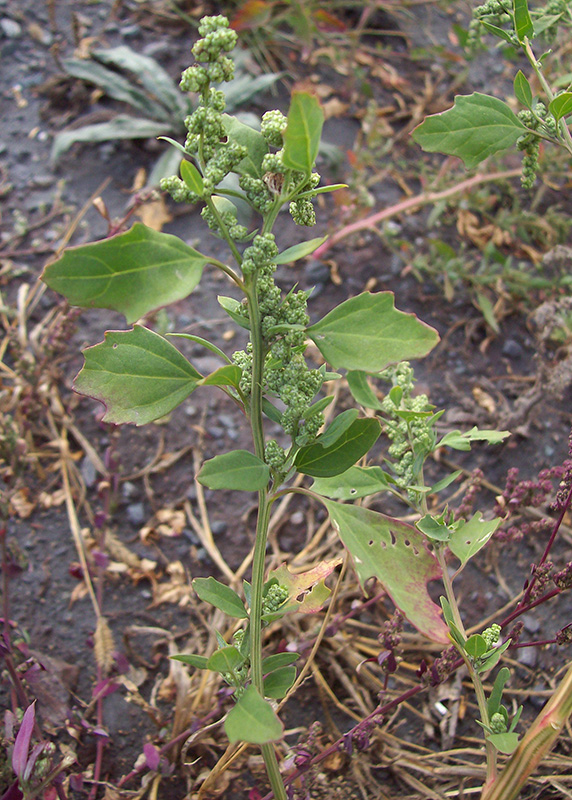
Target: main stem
(259,556)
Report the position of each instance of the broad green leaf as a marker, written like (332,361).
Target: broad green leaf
(353,483)
(220,596)
(229,375)
(355,442)
(495,696)
(307,591)
(522,21)
(205,343)
(231,306)
(504,742)
(476,127)
(561,106)
(277,684)
(278,660)
(397,555)
(444,482)
(362,391)
(240,470)
(138,375)
(200,662)
(475,646)
(461,440)
(367,333)
(522,90)
(122,126)
(434,528)
(133,273)
(254,142)
(337,427)
(192,177)
(303,132)
(468,539)
(298,251)
(225,659)
(253,720)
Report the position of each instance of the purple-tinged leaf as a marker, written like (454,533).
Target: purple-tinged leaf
(152,756)
(22,743)
(13,792)
(37,750)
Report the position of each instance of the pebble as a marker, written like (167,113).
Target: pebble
(215,432)
(512,349)
(10,28)
(297,518)
(527,656)
(218,527)
(129,490)
(136,513)
(88,473)
(130,31)
(531,624)
(317,272)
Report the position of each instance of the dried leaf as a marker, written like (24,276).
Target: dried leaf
(103,645)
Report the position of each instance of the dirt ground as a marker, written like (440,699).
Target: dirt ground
(126,497)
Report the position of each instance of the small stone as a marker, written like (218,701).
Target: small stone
(130,31)
(88,472)
(218,527)
(136,513)
(10,28)
(129,490)
(527,656)
(512,349)
(215,432)
(531,624)
(297,518)
(317,272)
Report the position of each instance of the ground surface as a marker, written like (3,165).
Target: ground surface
(127,497)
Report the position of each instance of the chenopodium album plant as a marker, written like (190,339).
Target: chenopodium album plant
(140,376)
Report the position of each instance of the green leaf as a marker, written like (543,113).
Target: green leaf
(122,126)
(278,682)
(354,442)
(200,662)
(240,470)
(476,127)
(253,720)
(337,427)
(231,306)
(362,391)
(522,22)
(397,555)
(367,333)
(496,31)
(205,343)
(475,646)
(561,106)
(468,539)
(495,696)
(254,142)
(446,481)
(353,483)
(138,375)
(487,310)
(490,661)
(522,90)
(220,596)
(303,132)
(133,273)
(192,177)
(434,528)
(278,660)
(461,440)
(298,251)
(504,742)
(225,659)
(229,375)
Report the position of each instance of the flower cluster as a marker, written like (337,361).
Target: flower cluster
(274,598)
(519,495)
(495,12)
(491,635)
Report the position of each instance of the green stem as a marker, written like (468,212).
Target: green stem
(565,136)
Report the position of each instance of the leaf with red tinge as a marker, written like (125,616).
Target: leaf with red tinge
(22,743)
(307,591)
(252,14)
(328,22)
(152,756)
(397,555)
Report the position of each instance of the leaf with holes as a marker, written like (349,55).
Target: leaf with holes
(397,555)
(307,591)
(353,483)
(468,539)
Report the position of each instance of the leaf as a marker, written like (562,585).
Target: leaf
(231,306)
(362,391)
(303,132)
(495,696)
(298,251)
(200,662)
(353,483)
(522,22)
(434,528)
(192,177)
(307,591)
(468,539)
(337,427)
(225,659)
(253,720)
(496,31)
(254,142)
(205,343)
(397,555)
(487,310)
(349,447)
(522,90)
(461,440)
(220,596)
(561,106)
(278,682)
(138,375)
(278,660)
(504,742)
(476,127)
(252,15)
(240,470)
(133,273)
(492,660)
(367,333)
(122,126)
(475,646)
(229,375)
(23,739)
